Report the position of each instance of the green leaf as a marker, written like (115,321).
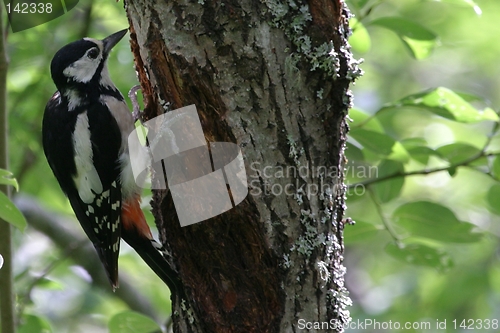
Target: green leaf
(380,143)
(399,153)
(457,153)
(359,232)
(419,40)
(495,169)
(418,149)
(479,163)
(452,171)
(430,220)
(421,154)
(420,254)
(389,189)
(377,142)
(10,213)
(359,117)
(353,153)
(132,322)
(360,3)
(414,142)
(419,49)
(468,3)
(493,198)
(447,104)
(470,97)
(46,283)
(6,179)
(34,324)
(360,39)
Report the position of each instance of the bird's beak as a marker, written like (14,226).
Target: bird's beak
(112,40)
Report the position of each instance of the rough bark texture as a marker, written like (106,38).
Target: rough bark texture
(273,77)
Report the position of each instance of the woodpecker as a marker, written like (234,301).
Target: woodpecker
(85,129)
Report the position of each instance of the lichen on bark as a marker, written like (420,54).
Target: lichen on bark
(273,77)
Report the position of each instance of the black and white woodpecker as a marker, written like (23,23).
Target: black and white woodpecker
(86,125)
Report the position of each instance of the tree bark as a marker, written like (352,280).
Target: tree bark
(272,77)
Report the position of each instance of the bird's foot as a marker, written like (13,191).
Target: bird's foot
(136,110)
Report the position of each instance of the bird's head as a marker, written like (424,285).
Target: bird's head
(81,66)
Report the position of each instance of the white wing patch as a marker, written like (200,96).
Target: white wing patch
(87,179)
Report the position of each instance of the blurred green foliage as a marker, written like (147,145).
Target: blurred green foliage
(423,173)
(8,211)
(425,125)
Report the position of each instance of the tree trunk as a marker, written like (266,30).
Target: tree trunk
(272,77)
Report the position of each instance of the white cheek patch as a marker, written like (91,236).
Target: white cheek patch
(87,179)
(83,69)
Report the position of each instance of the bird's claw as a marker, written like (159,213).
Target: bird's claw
(136,110)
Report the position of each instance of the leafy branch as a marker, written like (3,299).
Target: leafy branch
(425,226)
(385,221)
(449,168)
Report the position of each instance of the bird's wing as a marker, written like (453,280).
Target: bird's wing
(84,159)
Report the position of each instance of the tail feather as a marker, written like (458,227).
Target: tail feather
(150,252)
(137,234)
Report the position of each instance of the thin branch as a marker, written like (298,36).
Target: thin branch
(425,171)
(55,227)
(490,137)
(385,222)
(7,314)
(87,19)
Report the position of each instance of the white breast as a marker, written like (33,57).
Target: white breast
(86,179)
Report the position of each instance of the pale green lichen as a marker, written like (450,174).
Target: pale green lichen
(286,263)
(298,195)
(340,300)
(310,239)
(323,269)
(294,151)
(328,203)
(353,65)
(319,93)
(189,311)
(293,18)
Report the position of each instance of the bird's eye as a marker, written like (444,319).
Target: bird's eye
(93,53)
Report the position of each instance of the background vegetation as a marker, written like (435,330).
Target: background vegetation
(424,246)
(411,257)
